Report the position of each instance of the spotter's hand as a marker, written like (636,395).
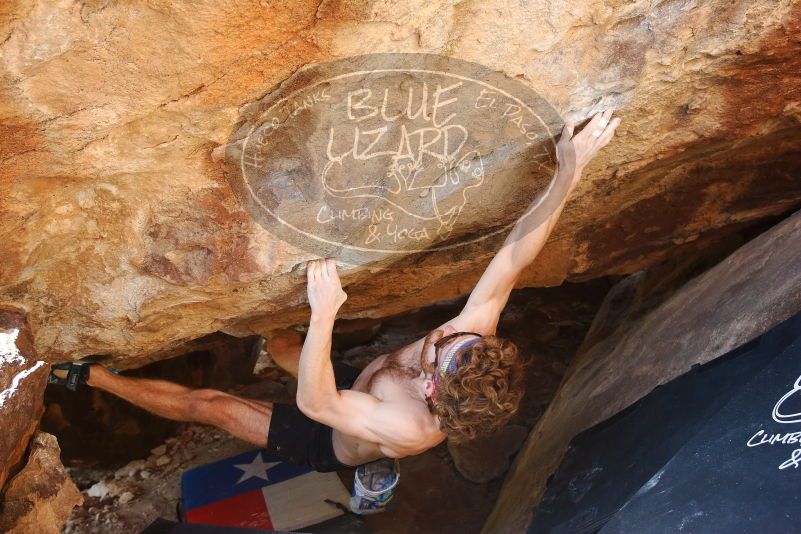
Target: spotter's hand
(592,138)
(324,287)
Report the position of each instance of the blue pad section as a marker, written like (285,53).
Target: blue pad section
(220,480)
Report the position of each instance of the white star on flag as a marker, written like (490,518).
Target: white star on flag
(256,468)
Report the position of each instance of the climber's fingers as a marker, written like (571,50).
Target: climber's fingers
(312,271)
(322,270)
(597,125)
(325,274)
(331,266)
(592,126)
(608,132)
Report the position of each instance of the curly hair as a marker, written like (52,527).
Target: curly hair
(483,393)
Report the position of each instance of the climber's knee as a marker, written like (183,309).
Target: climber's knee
(284,347)
(200,405)
(247,420)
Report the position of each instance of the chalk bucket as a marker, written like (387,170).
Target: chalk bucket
(374,486)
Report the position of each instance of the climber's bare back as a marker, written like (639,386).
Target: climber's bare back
(388,378)
(380,380)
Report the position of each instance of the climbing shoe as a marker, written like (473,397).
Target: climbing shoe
(72,374)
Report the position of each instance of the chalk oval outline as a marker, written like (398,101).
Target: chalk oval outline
(259,122)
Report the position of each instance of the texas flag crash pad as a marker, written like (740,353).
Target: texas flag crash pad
(257,491)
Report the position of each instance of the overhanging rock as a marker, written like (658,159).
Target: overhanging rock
(121,236)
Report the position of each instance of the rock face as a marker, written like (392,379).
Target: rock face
(745,295)
(41,497)
(22,381)
(122,236)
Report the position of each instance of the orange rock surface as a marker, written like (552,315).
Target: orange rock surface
(121,236)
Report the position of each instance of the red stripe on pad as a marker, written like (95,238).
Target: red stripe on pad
(246,510)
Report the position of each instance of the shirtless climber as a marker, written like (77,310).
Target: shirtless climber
(458,382)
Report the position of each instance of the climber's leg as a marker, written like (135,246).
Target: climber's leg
(244,418)
(284,347)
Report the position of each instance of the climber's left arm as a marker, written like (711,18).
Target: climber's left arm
(316,381)
(528,237)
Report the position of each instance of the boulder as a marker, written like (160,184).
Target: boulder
(122,236)
(23,377)
(40,498)
(745,295)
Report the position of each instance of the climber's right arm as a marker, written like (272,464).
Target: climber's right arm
(529,235)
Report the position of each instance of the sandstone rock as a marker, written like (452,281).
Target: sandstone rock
(22,381)
(748,293)
(129,469)
(41,497)
(104,489)
(121,236)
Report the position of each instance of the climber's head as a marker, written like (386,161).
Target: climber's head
(473,383)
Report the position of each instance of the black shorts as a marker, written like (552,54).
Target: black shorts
(295,438)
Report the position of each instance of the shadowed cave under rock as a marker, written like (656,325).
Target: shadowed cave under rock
(127,462)
(99,434)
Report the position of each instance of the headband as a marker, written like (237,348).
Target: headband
(448,364)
